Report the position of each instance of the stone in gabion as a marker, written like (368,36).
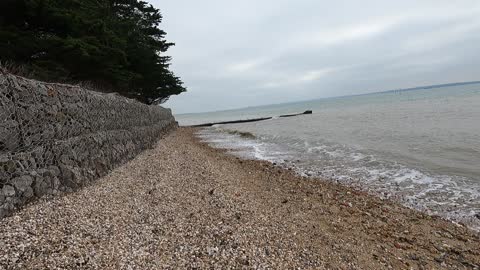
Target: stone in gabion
(8,191)
(22,183)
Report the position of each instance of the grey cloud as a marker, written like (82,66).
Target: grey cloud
(234,54)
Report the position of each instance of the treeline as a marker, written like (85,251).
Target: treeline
(116,45)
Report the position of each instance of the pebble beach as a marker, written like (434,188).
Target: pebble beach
(185,205)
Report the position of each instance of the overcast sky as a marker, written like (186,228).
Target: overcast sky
(233,54)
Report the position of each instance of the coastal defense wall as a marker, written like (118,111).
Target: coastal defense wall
(56,138)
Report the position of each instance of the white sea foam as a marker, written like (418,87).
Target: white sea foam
(455,199)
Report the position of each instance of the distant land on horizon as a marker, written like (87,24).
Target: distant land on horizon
(402,90)
(428,87)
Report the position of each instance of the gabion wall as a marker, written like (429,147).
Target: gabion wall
(56,138)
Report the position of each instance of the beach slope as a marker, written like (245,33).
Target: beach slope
(186,205)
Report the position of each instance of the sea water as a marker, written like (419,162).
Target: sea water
(420,147)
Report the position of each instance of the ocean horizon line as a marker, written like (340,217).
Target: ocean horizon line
(341,96)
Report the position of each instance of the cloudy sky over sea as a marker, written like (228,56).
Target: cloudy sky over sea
(234,54)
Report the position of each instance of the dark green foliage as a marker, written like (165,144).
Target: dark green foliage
(115,44)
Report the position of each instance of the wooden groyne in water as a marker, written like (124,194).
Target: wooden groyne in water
(296,114)
(249,120)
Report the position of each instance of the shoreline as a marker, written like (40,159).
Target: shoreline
(185,204)
(246,146)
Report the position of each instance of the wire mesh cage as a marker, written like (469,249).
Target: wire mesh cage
(58,137)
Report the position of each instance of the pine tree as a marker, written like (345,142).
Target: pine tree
(116,44)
